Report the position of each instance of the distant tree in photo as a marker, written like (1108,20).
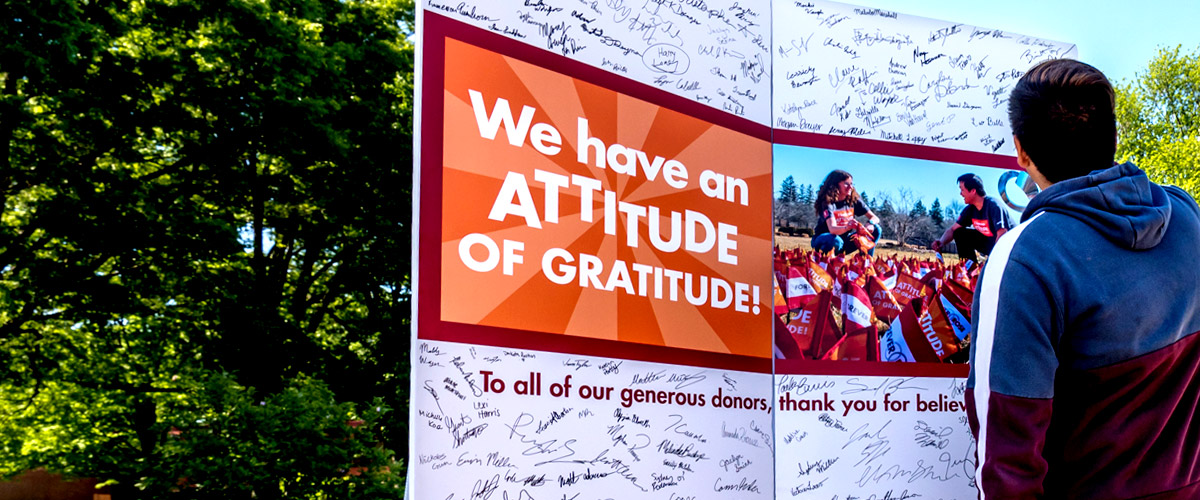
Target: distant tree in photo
(806,195)
(935,213)
(788,193)
(955,208)
(902,220)
(918,209)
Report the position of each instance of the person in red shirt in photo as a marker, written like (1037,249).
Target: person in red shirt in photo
(979,225)
(837,205)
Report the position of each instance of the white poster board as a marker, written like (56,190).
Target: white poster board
(716,53)
(873,437)
(548,425)
(876,74)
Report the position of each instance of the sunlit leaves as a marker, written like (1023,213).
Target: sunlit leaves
(1158,117)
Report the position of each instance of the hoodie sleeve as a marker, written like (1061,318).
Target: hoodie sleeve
(1010,389)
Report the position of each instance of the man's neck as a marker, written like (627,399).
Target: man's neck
(978,203)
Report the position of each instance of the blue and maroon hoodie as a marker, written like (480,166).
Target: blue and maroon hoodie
(1085,365)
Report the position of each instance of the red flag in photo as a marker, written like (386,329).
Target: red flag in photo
(889,279)
(802,327)
(786,344)
(819,324)
(799,290)
(904,341)
(835,266)
(885,304)
(883,267)
(815,324)
(959,295)
(830,330)
(857,345)
(856,307)
(781,304)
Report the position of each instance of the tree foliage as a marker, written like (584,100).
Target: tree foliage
(788,192)
(1158,119)
(204,247)
(918,209)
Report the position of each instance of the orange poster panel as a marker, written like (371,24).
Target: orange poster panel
(571,209)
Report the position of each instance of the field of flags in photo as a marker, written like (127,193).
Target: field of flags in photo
(859,308)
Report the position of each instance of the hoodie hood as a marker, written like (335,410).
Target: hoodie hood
(1120,202)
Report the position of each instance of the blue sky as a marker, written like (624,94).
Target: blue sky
(1119,38)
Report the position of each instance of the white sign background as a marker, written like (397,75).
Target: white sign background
(713,52)
(876,74)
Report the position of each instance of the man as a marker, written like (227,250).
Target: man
(1085,365)
(979,225)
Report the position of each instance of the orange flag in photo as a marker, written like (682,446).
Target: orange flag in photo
(939,329)
(781,305)
(885,304)
(908,287)
(949,320)
(818,278)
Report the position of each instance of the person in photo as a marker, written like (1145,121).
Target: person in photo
(837,205)
(979,225)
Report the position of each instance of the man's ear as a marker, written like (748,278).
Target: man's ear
(1022,157)
(1026,163)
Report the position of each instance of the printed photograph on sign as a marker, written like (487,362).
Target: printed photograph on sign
(568,208)
(876,257)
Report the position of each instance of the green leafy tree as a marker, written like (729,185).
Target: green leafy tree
(935,213)
(204,246)
(788,192)
(1158,119)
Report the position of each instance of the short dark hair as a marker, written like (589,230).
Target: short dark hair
(973,183)
(1062,112)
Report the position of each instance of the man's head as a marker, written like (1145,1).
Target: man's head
(1062,119)
(970,186)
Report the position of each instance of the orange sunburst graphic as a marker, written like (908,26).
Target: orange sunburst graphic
(592,268)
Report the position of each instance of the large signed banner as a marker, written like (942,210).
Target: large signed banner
(594,289)
(606,306)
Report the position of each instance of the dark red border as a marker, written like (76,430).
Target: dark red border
(430,326)
(874,146)
(869,368)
